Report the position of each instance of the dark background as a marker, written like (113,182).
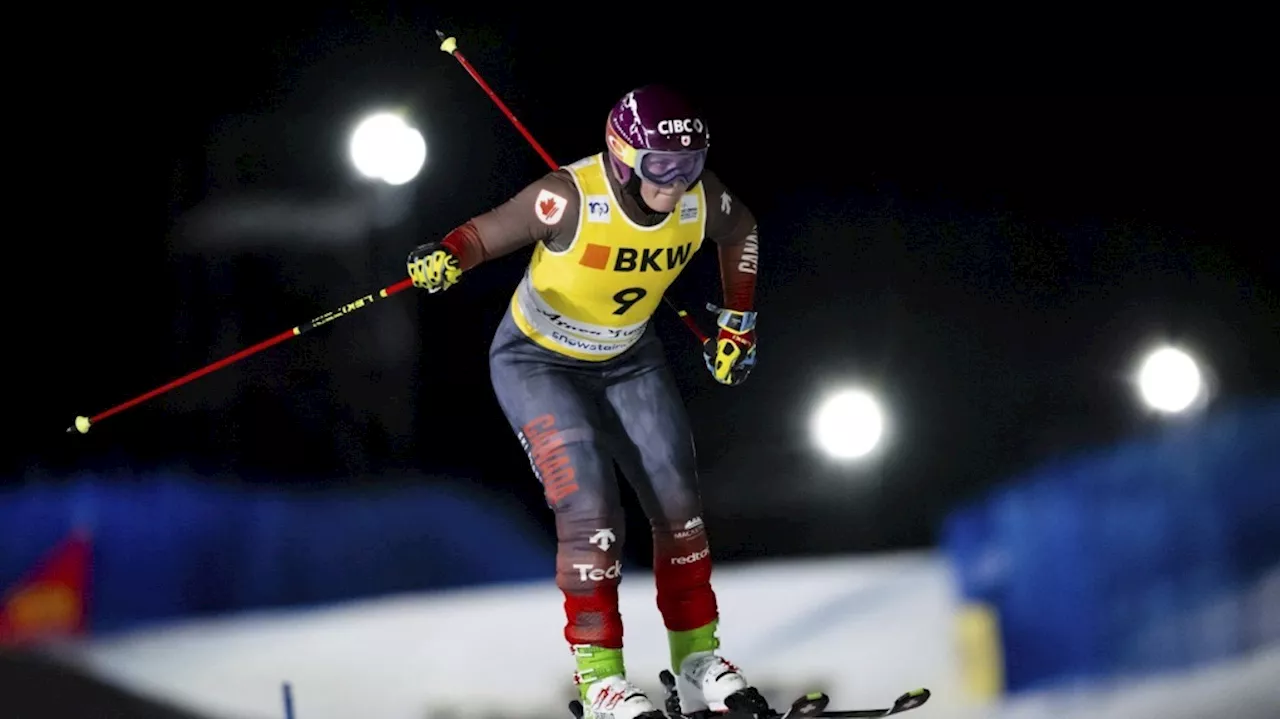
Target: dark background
(988,243)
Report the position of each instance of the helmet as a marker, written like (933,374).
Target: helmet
(653,132)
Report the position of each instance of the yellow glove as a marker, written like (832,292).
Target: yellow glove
(732,354)
(433,268)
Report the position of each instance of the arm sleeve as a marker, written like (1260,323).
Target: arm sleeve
(544,211)
(732,226)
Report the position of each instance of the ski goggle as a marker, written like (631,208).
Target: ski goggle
(663,167)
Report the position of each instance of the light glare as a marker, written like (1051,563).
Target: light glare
(384,147)
(1169,380)
(849,424)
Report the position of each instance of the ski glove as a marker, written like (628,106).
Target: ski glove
(732,354)
(433,268)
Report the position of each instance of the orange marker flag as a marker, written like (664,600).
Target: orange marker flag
(51,601)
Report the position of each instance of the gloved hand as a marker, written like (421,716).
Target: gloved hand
(433,268)
(732,354)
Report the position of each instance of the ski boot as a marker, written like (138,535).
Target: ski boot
(709,686)
(614,698)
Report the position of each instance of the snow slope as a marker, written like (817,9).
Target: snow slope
(864,630)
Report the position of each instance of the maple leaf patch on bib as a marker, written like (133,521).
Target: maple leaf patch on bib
(549,207)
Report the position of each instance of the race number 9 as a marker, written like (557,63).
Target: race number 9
(627,298)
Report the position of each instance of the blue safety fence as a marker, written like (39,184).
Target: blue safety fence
(170,546)
(1162,553)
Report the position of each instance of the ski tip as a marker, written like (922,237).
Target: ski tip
(912,699)
(811,704)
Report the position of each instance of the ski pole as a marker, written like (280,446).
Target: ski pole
(82,424)
(689,322)
(450,45)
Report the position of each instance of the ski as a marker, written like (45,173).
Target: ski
(813,704)
(809,705)
(906,702)
(751,705)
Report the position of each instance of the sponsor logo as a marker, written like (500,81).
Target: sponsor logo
(603,538)
(583,329)
(692,528)
(590,573)
(595,256)
(680,126)
(688,209)
(692,558)
(662,259)
(631,259)
(585,345)
(598,208)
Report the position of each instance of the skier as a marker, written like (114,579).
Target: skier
(581,376)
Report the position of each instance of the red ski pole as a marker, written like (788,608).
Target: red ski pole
(689,322)
(450,45)
(82,424)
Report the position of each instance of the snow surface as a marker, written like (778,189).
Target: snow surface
(864,630)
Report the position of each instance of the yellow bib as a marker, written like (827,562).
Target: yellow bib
(593,300)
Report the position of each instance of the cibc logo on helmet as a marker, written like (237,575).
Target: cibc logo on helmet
(680,126)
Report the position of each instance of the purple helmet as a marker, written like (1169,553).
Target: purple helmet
(654,132)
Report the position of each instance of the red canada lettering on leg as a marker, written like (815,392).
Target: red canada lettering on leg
(550,458)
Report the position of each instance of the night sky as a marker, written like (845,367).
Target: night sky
(992,264)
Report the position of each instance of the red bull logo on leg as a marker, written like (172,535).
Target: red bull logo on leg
(549,458)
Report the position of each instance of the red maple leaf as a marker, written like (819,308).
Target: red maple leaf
(547,206)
